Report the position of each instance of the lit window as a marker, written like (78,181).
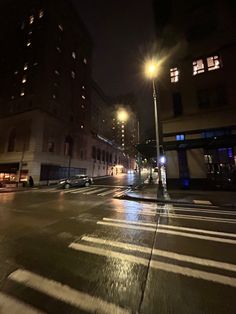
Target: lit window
(83,96)
(122,131)
(51,147)
(23,25)
(35,63)
(180,137)
(83,87)
(16,72)
(30,33)
(31,19)
(58,49)
(85,61)
(24,79)
(12,97)
(60,27)
(123,144)
(54,96)
(25,66)
(83,106)
(41,13)
(122,135)
(22,93)
(73,74)
(82,126)
(56,72)
(213,63)
(122,126)
(73,55)
(198,67)
(28,43)
(174,75)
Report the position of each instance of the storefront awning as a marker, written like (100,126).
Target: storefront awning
(9,168)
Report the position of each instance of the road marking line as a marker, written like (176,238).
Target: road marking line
(196,236)
(195,260)
(108,253)
(198,274)
(138,223)
(122,245)
(202,202)
(9,305)
(108,192)
(81,190)
(121,193)
(64,293)
(95,191)
(218,212)
(219,233)
(203,218)
(69,190)
(162,253)
(144,213)
(111,224)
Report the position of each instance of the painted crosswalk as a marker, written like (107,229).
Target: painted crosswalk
(101,191)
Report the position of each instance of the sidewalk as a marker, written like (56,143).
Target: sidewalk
(148,192)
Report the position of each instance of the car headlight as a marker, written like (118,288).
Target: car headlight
(61,182)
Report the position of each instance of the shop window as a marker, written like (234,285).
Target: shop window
(198,67)
(174,75)
(12,141)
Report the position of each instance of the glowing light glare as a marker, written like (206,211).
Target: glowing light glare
(151,68)
(163,160)
(122,115)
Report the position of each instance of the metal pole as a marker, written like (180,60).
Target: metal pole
(157,133)
(139,156)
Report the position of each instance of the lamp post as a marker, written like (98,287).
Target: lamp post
(151,71)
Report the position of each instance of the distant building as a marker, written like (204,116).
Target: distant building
(197,89)
(45,98)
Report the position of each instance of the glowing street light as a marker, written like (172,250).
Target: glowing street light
(122,115)
(152,69)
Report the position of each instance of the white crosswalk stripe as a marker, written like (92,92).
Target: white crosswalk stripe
(64,293)
(108,192)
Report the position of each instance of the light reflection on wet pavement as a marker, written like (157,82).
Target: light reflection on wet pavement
(72,253)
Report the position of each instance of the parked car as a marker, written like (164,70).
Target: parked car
(77,180)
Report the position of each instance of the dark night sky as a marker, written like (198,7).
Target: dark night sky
(122,32)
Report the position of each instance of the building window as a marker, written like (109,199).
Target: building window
(16,72)
(51,147)
(57,72)
(73,55)
(68,146)
(83,96)
(22,93)
(98,154)
(12,141)
(85,61)
(31,19)
(28,43)
(174,75)
(41,14)
(213,63)
(103,156)
(107,157)
(177,104)
(60,27)
(83,106)
(24,79)
(25,66)
(180,137)
(94,152)
(82,126)
(73,74)
(198,67)
(58,49)
(83,87)
(53,96)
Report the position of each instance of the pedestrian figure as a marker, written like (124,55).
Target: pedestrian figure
(31,182)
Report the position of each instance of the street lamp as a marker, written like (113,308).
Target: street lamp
(152,69)
(122,115)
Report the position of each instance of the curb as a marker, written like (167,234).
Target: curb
(176,202)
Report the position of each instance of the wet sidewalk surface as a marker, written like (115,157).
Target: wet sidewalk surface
(149,192)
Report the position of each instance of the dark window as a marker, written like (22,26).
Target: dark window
(68,146)
(107,157)
(103,155)
(12,141)
(177,104)
(203,98)
(94,152)
(98,154)
(51,147)
(212,97)
(110,159)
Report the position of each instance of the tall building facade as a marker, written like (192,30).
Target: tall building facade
(197,99)
(45,99)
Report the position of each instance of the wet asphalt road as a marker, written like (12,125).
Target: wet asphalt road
(71,252)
